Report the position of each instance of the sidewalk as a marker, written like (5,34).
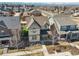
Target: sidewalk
(74,45)
(45,50)
(62,54)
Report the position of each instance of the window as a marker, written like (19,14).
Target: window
(63,36)
(35,37)
(46,26)
(74,35)
(2,31)
(33,28)
(45,37)
(34,31)
(72,27)
(63,28)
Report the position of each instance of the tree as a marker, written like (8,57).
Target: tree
(24,31)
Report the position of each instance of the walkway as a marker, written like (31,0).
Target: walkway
(74,45)
(45,50)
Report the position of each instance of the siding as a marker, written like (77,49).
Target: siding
(34,31)
(34,25)
(44,31)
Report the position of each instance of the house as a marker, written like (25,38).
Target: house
(35,13)
(76,20)
(68,12)
(65,27)
(9,31)
(38,27)
(44,26)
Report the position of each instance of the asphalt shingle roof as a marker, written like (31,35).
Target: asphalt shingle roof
(41,20)
(64,20)
(11,22)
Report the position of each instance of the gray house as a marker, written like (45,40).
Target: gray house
(9,31)
(66,27)
(38,27)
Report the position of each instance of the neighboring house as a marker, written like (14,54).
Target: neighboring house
(44,26)
(36,13)
(16,9)
(68,12)
(66,27)
(34,29)
(9,30)
(38,27)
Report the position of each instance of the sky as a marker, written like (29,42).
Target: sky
(39,1)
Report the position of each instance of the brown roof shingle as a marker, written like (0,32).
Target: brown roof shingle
(41,20)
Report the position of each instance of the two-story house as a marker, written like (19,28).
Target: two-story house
(44,26)
(9,30)
(38,27)
(65,27)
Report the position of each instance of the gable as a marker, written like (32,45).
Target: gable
(34,25)
(45,26)
(4,32)
(11,22)
(3,24)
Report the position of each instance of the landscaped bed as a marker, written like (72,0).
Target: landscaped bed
(63,42)
(30,48)
(34,54)
(36,46)
(50,49)
(63,48)
(12,50)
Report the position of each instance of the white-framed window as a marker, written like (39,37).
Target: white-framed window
(63,28)
(72,27)
(34,31)
(35,37)
(46,26)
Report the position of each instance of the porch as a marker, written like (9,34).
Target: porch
(5,42)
